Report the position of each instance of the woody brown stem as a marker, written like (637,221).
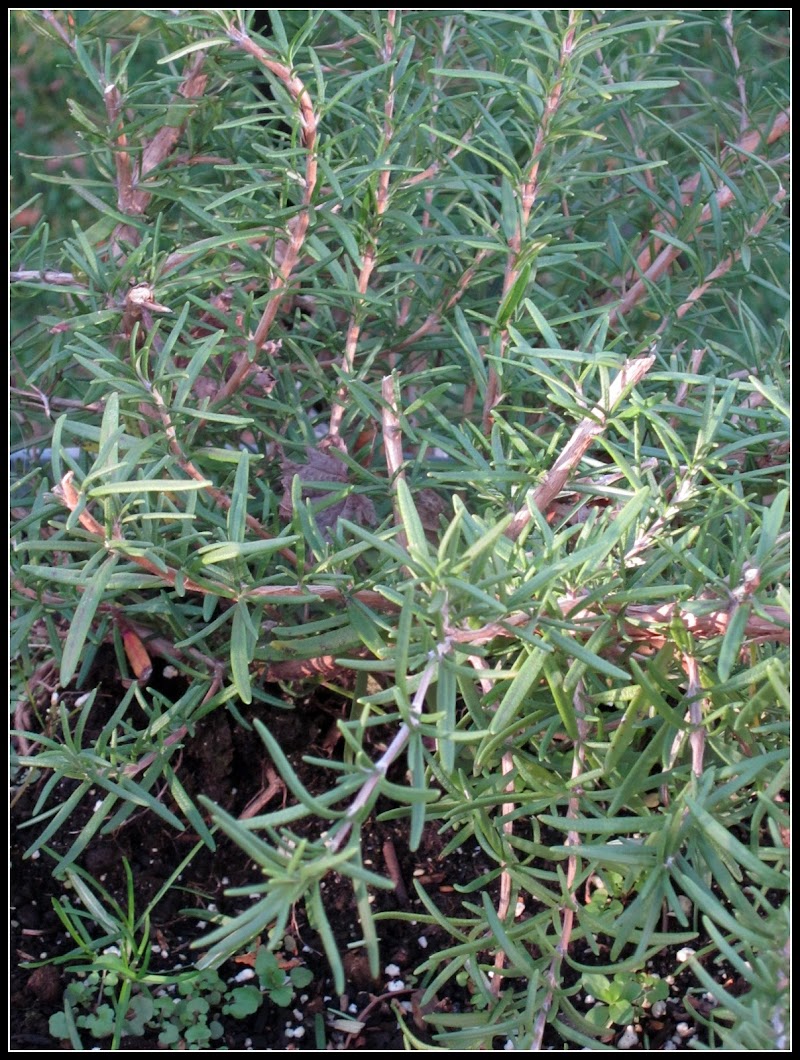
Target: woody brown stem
(298,228)
(370,252)
(527,192)
(631,373)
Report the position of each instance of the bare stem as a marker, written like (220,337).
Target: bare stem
(401,737)
(631,373)
(370,252)
(573,840)
(527,193)
(655,258)
(299,226)
(724,266)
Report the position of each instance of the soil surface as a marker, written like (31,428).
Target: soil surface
(225,762)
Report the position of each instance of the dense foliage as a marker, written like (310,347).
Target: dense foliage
(438,359)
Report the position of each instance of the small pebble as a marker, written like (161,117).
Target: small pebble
(685,953)
(628,1039)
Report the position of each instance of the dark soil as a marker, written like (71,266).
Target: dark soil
(228,764)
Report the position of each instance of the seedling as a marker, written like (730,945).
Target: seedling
(624,997)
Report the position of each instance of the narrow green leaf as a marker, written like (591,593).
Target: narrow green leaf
(345,234)
(572,646)
(322,925)
(402,642)
(225,550)
(109,428)
(547,333)
(412,524)
(730,649)
(511,302)
(446,703)
(193,369)
(82,621)
(201,45)
(515,953)
(772,395)
(286,771)
(55,448)
(727,842)
(237,513)
(148,485)
(771,526)
(242,650)
(652,85)
(518,689)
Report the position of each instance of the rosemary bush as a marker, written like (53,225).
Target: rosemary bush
(440,359)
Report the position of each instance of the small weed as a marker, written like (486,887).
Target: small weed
(623,998)
(184,1012)
(114,995)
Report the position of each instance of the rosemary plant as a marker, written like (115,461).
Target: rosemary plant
(439,359)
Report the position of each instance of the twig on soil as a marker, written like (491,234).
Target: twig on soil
(275,787)
(393,868)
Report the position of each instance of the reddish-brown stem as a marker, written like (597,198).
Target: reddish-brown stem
(655,258)
(631,373)
(573,840)
(50,18)
(697,736)
(299,227)
(724,266)
(740,83)
(528,191)
(369,254)
(59,279)
(122,160)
